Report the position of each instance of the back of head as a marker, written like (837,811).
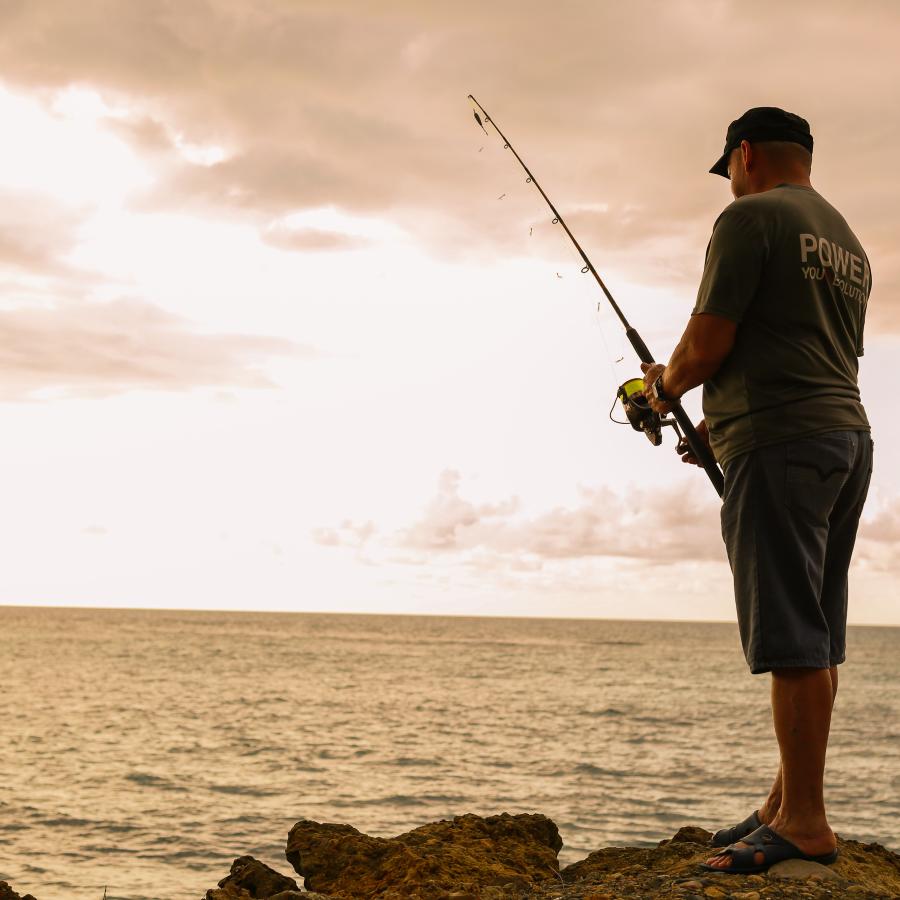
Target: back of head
(787,157)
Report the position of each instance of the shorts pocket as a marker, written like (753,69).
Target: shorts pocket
(816,470)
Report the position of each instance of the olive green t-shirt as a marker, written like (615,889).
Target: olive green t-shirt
(786,267)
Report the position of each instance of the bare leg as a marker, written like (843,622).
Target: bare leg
(801,707)
(770,807)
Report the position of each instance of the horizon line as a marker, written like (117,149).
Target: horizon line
(432,615)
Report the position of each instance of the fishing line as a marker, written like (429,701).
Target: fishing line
(542,235)
(631,392)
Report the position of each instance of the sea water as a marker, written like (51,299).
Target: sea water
(142,751)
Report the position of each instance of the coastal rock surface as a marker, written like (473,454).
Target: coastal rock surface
(250,879)
(497,856)
(7,893)
(671,869)
(508,857)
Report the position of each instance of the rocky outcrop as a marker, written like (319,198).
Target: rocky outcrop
(671,869)
(496,856)
(7,893)
(252,880)
(510,857)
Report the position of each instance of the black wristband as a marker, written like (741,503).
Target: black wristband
(661,395)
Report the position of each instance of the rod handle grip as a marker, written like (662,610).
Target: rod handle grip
(695,442)
(640,347)
(699,449)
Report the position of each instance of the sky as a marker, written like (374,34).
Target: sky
(282,329)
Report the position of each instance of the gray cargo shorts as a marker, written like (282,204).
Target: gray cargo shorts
(789,517)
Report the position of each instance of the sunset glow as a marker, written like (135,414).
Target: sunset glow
(282,329)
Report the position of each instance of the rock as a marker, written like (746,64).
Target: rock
(802,868)
(514,857)
(299,895)
(463,855)
(7,893)
(690,834)
(227,894)
(636,872)
(252,880)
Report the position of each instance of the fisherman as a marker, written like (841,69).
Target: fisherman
(774,339)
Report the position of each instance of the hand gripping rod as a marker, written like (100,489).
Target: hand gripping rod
(697,445)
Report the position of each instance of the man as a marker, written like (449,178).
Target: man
(774,339)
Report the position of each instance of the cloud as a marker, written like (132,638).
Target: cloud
(681,523)
(305,239)
(54,341)
(678,526)
(96,349)
(147,135)
(450,521)
(35,235)
(347,534)
(365,110)
(659,527)
(878,540)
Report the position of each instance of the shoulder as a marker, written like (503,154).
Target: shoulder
(753,216)
(752,207)
(745,217)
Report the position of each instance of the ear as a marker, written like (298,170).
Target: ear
(747,155)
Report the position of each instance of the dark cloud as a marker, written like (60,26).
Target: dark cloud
(96,349)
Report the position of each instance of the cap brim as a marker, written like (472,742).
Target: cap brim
(721,166)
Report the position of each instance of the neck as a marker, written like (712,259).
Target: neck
(765,181)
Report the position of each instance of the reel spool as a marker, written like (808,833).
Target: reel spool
(639,413)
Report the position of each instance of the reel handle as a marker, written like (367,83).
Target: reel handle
(697,445)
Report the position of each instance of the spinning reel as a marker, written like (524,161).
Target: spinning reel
(640,414)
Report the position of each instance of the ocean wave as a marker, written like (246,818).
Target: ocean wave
(145,779)
(591,769)
(403,800)
(410,761)
(241,790)
(67,822)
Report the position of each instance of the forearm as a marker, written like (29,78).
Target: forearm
(706,342)
(687,369)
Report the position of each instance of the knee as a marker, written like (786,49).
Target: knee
(795,673)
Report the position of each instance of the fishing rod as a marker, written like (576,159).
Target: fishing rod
(637,410)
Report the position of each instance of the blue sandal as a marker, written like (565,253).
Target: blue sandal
(773,847)
(732,835)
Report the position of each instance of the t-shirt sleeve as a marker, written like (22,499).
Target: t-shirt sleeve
(735,257)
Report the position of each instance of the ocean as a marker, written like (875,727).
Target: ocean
(142,751)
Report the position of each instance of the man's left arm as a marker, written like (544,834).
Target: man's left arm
(706,341)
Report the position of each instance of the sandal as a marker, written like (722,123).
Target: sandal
(773,847)
(732,835)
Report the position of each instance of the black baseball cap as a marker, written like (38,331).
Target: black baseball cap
(763,123)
